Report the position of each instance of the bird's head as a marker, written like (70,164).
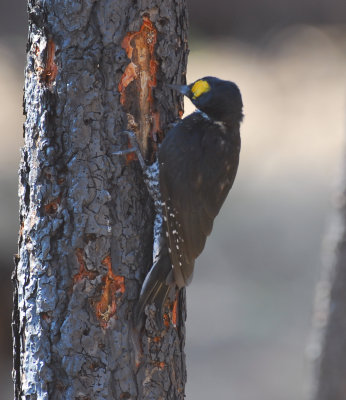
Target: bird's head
(220,100)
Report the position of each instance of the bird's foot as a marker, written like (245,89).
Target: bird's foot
(134,149)
(150,172)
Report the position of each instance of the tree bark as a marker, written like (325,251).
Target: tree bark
(328,347)
(94,68)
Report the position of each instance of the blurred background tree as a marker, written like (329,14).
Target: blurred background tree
(260,267)
(327,346)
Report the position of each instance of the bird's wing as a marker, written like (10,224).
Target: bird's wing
(196,175)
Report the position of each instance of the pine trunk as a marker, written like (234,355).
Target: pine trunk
(94,68)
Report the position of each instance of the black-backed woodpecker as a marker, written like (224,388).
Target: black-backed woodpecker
(198,161)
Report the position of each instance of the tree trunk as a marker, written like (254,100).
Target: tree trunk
(329,340)
(94,68)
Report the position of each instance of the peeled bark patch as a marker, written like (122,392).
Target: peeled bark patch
(53,206)
(113,288)
(83,271)
(136,84)
(51,69)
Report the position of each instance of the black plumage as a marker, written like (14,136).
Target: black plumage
(198,162)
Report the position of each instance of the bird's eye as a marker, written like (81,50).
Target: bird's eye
(199,88)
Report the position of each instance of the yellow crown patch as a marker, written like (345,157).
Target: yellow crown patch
(199,88)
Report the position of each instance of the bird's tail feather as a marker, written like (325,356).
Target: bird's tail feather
(155,289)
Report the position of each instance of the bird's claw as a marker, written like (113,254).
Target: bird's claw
(124,152)
(134,149)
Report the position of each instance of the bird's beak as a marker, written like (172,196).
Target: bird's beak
(183,89)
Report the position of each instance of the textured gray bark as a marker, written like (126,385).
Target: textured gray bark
(94,68)
(329,340)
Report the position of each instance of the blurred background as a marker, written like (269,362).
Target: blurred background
(251,301)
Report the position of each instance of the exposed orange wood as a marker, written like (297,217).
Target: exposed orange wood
(140,78)
(83,271)
(50,71)
(166,320)
(129,75)
(161,364)
(52,206)
(113,285)
(131,156)
(175,311)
